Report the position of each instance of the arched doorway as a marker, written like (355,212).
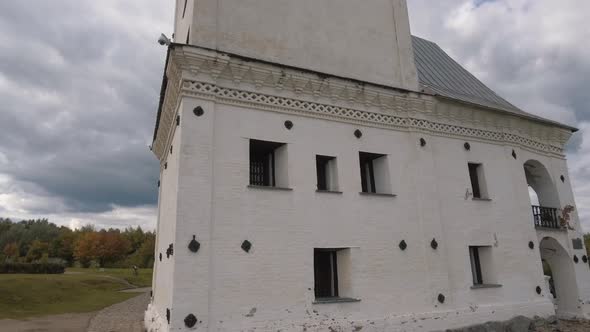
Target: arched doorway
(559,265)
(543,195)
(549,279)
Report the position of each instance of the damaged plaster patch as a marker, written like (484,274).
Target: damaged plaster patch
(252,312)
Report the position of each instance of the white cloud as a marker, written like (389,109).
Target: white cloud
(118,217)
(579,164)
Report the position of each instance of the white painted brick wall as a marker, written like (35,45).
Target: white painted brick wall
(163,282)
(221,284)
(309,34)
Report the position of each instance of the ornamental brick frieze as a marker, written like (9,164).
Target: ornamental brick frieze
(445,126)
(168,114)
(213,76)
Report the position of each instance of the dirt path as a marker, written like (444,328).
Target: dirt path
(121,280)
(55,323)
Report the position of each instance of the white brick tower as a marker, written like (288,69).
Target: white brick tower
(368,41)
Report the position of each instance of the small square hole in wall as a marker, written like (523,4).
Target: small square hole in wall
(478,181)
(268,164)
(374,170)
(327,173)
(482,266)
(332,273)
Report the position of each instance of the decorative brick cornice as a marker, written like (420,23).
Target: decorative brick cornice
(214,76)
(168,111)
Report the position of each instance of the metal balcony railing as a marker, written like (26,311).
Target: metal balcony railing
(546,217)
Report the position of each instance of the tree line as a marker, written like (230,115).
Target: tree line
(39,240)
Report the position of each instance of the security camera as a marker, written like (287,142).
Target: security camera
(163,40)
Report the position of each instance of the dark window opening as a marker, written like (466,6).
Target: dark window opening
(367,167)
(474,170)
(324,172)
(184,10)
(262,163)
(476,265)
(326,273)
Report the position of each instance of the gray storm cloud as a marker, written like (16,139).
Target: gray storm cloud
(79,86)
(79,82)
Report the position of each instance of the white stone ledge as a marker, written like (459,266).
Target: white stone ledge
(481,199)
(362,193)
(486,286)
(269,188)
(329,192)
(331,300)
(550,229)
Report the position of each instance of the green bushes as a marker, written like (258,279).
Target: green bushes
(32,268)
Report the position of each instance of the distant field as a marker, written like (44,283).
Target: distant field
(28,295)
(143,279)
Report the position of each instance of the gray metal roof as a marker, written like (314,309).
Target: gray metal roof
(439,74)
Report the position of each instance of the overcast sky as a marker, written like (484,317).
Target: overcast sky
(79,83)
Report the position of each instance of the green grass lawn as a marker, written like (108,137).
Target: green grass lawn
(143,279)
(31,295)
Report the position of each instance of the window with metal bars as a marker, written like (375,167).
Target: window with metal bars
(326,273)
(263,162)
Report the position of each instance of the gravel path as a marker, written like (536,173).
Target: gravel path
(122,317)
(137,290)
(53,323)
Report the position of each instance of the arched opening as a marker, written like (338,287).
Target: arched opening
(549,279)
(542,194)
(561,285)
